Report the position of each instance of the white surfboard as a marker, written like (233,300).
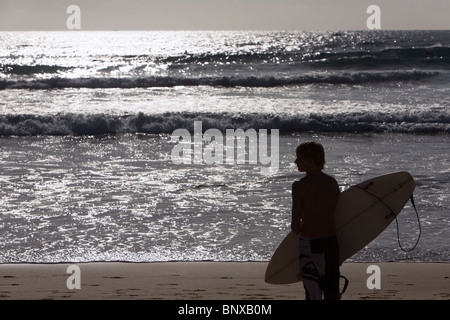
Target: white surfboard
(362,213)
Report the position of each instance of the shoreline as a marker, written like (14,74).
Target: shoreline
(210,281)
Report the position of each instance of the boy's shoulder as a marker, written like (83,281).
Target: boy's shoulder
(328,177)
(322,178)
(302,183)
(298,184)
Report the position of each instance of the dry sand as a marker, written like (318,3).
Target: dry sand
(210,281)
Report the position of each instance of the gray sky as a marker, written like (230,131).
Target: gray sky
(223,14)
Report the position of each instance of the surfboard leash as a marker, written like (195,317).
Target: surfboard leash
(365,189)
(418,223)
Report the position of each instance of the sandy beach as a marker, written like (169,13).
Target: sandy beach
(210,281)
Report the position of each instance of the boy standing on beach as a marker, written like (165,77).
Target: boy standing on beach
(314,200)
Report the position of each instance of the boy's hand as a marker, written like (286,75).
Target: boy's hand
(295,227)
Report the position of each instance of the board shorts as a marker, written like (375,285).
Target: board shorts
(319,267)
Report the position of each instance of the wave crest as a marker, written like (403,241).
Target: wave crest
(98,124)
(250,81)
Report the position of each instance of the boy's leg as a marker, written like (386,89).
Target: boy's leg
(332,274)
(312,269)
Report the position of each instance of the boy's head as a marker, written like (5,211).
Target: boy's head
(313,151)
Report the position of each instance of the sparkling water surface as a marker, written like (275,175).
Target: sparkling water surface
(85,122)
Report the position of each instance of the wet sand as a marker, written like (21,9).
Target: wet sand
(210,281)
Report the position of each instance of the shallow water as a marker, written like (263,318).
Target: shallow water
(123,198)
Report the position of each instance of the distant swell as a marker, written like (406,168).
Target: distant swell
(15,69)
(98,124)
(435,57)
(251,81)
(410,56)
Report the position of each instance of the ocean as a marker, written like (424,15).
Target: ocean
(90,122)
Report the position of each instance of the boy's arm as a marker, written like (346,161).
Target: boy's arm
(296,208)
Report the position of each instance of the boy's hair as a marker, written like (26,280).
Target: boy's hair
(313,150)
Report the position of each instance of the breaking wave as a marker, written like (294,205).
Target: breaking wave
(250,81)
(99,124)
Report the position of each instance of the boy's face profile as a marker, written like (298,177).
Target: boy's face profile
(302,163)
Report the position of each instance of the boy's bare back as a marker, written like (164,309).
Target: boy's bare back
(314,201)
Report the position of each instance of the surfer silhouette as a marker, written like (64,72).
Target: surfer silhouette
(314,199)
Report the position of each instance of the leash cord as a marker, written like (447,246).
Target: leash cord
(420,229)
(396,221)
